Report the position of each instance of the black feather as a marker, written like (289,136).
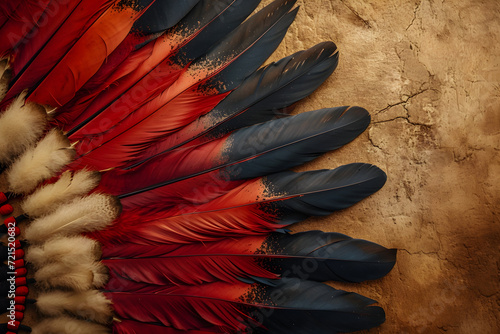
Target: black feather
(163,14)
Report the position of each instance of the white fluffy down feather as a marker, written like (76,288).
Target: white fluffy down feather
(74,250)
(68,275)
(91,305)
(5,75)
(40,163)
(69,186)
(85,214)
(62,275)
(20,126)
(67,325)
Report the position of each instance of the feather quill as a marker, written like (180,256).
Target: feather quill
(91,305)
(50,196)
(86,214)
(40,163)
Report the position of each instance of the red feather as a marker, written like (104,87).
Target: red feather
(19,21)
(78,65)
(35,60)
(237,307)
(185,308)
(136,327)
(105,76)
(144,72)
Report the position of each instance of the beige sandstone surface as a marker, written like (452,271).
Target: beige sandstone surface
(429,73)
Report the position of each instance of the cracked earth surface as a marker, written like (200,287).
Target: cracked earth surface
(428,71)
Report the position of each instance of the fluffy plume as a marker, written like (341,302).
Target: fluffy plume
(76,249)
(69,186)
(85,214)
(101,275)
(5,75)
(80,276)
(67,325)
(20,126)
(40,163)
(90,305)
(62,275)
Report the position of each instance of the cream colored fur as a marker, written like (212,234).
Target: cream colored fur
(63,275)
(69,186)
(40,163)
(5,75)
(85,214)
(64,249)
(67,325)
(91,305)
(20,126)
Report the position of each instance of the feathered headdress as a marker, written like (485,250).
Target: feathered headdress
(147,150)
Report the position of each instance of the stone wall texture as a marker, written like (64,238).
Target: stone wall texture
(429,73)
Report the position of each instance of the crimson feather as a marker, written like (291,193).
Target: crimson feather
(258,206)
(220,165)
(77,66)
(137,327)
(256,100)
(250,44)
(316,255)
(314,307)
(36,58)
(157,64)
(19,21)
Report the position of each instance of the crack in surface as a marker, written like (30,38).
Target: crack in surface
(414,14)
(367,24)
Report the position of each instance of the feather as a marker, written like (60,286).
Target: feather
(78,65)
(5,76)
(61,275)
(85,214)
(21,21)
(250,152)
(67,325)
(50,196)
(314,307)
(40,163)
(163,15)
(314,255)
(256,207)
(72,250)
(153,67)
(220,70)
(20,126)
(40,52)
(67,274)
(256,100)
(136,327)
(91,305)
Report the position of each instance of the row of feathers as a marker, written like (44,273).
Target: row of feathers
(198,161)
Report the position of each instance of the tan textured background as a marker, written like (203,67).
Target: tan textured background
(429,73)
